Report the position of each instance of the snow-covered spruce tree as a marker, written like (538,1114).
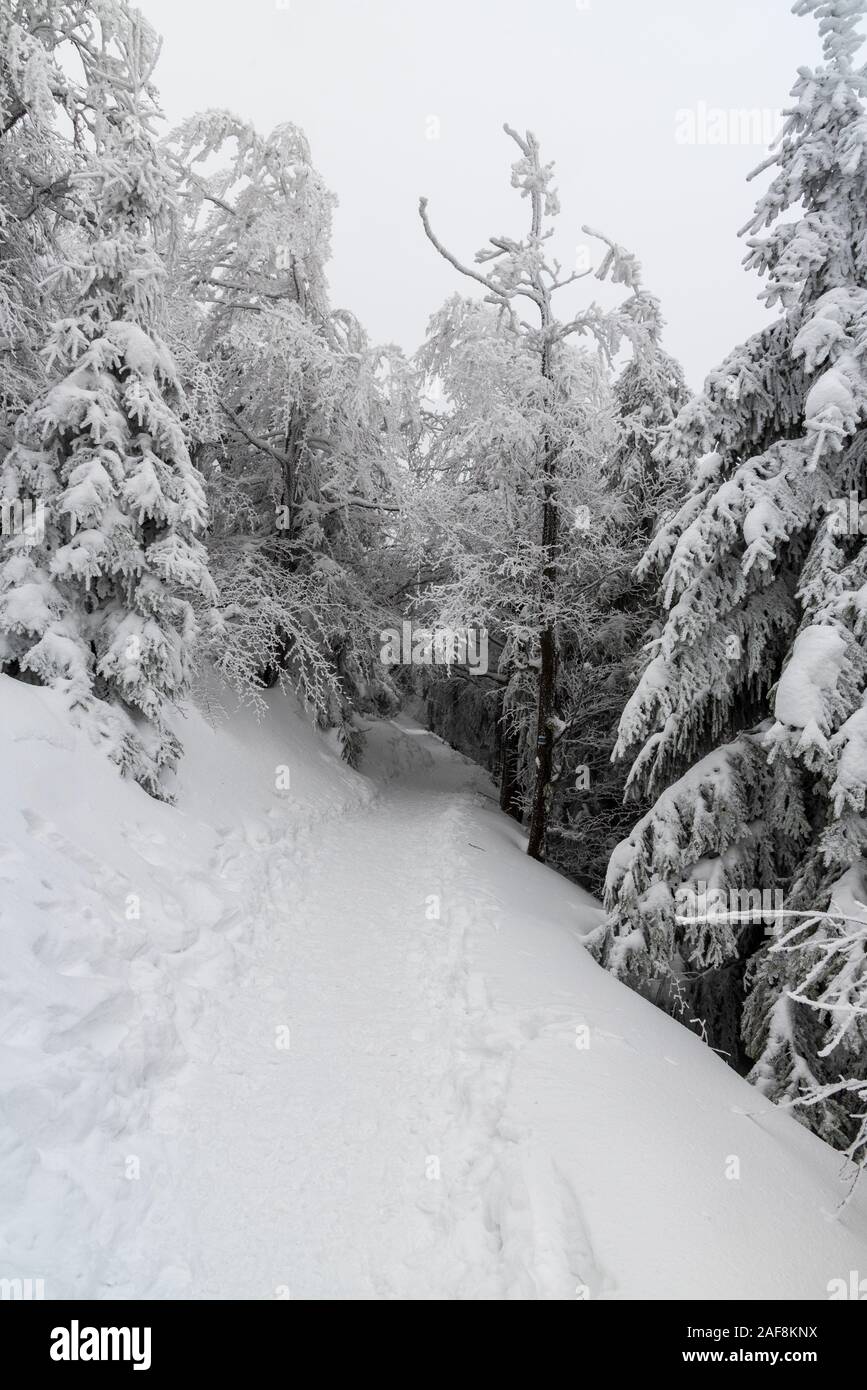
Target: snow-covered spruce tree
(649,393)
(527,479)
(95,602)
(303,466)
(589,816)
(757,684)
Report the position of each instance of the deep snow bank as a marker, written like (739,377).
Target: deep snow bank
(122,919)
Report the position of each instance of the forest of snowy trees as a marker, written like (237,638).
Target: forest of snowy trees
(206,463)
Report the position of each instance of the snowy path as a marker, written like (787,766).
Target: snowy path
(432,1130)
(468,1107)
(329,1166)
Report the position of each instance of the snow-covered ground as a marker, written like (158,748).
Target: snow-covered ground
(343,1040)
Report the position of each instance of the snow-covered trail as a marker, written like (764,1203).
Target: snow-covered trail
(326,1128)
(398,1100)
(345,1041)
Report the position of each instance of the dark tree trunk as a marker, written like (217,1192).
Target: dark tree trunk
(544,746)
(291,451)
(544,759)
(510,762)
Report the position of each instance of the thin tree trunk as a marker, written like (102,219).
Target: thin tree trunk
(545,733)
(293,439)
(509,764)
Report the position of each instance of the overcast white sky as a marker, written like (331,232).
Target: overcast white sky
(599,81)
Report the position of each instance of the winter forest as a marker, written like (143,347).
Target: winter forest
(435,796)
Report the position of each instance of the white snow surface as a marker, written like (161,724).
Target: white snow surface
(287,1076)
(810,678)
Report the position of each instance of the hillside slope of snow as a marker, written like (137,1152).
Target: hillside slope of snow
(342,1040)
